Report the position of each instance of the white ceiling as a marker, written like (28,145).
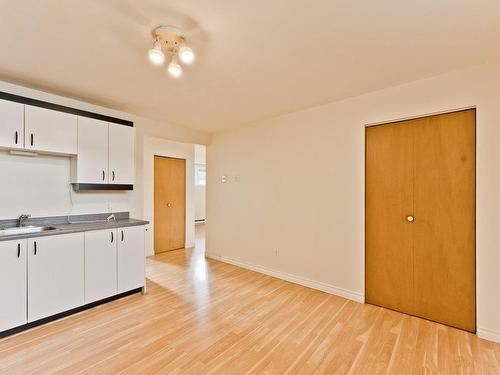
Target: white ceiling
(255,58)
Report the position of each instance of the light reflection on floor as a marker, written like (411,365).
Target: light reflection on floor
(192,264)
(198,263)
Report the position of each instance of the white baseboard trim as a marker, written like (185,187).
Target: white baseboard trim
(489,334)
(357,297)
(484,333)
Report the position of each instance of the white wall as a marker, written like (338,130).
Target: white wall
(200,191)
(40,186)
(294,201)
(161,147)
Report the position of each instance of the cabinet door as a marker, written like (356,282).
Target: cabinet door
(92,159)
(100,264)
(55,274)
(50,131)
(12,284)
(121,154)
(130,258)
(11,124)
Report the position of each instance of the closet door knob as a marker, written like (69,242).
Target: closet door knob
(410,218)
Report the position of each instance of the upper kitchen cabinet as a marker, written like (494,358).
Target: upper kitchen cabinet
(105,158)
(92,163)
(50,131)
(121,154)
(101,147)
(11,124)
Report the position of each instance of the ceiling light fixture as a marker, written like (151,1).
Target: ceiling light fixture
(174,68)
(170,40)
(156,55)
(186,54)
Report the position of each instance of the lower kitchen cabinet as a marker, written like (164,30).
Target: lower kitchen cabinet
(100,264)
(47,275)
(13,291)
(130,258)
(56,274)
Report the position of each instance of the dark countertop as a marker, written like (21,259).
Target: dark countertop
(76,227)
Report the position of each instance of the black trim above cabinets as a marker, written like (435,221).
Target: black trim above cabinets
(79,186)
(62,108)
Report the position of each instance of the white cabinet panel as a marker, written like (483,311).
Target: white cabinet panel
(121,154)
(130,258)
(13,284)
(11,124)
(92,161)
(55,274)
(50,131)
(100,264)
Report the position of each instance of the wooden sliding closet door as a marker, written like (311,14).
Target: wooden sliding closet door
(444,237)
(420,217)
(389,197)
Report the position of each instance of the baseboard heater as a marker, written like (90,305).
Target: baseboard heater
(64,314)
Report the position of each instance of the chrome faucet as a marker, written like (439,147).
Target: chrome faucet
(22,218)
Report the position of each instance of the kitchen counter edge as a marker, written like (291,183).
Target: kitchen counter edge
(77,228)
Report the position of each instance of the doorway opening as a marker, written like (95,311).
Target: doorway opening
(200,181)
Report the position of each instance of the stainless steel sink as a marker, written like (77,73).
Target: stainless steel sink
(24,230)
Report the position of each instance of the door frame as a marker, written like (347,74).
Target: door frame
(388,122)
(185,197)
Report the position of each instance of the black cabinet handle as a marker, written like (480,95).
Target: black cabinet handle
(32,139)
(122,236)
(112,237)
(16,136)
(103,175)
(113,175)
(18,250)
(34,243)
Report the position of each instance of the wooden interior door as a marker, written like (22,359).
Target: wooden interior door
(423,169)
(389,199)
(444,236)
(169,203)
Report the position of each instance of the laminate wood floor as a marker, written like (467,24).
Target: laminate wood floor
(206,317)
